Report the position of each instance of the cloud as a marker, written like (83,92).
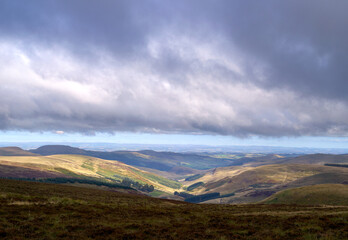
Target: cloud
(230,68)
(59,132)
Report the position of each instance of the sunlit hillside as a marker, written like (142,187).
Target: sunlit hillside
(84,166)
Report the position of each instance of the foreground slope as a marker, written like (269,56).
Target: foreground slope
(325,194)
(48,211)
(79,166)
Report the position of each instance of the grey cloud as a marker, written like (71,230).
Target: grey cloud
(78,25)
(268,68)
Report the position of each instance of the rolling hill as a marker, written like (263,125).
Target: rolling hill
(79,166)
(15,151)
(322,194)
(320,159)
(256,179)
(249,184)
(179,163)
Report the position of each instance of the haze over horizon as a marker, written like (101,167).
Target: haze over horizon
(193,72)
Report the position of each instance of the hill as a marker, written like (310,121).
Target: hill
(78,166)
(15,151)
(58,149)
(163,161)
(248,184)
(317,159)
(323,194)
(48,211)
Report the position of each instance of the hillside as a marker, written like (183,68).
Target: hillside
(163,161)
(323,194)
(317,159)
(48,211)
(178,164)
(15,151)
(78,166)
(249,184)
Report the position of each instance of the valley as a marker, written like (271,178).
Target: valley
(233,178)
(66,193)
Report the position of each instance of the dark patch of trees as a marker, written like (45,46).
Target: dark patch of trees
(193,177)
(125,184)
(203,197)
(73,180)
(336,165)
(183,194)
(227,195)
(195,185)
(142,187)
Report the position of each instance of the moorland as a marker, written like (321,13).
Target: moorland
(64,192)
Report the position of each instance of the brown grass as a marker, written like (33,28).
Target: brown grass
(48,211)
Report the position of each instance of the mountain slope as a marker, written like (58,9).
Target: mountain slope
(254,184)
(15,151)
(268,174)
(317,159)
(323,194)
(88,167)
(8,171)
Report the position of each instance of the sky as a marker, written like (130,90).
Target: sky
(200,71)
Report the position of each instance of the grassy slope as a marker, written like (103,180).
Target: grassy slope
(8,171)
(46,211)
(318,159)
(77,165)
(321,178)
(217,174)
(255,184)
(15,151)
(241,178)
(326,194)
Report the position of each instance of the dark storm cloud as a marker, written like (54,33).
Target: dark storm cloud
(269,68)
(76,24)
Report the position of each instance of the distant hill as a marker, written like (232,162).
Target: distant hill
(179,163)
(323,194)
(318,159)
(15,151)
(185,163)
(58,149)
(79,166)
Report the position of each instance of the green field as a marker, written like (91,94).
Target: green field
(32,210)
